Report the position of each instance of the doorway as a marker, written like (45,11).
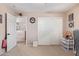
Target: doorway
(21,29)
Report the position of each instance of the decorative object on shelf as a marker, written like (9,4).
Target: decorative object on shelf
(68,35)
(68,42)
(32,20)
(0,18)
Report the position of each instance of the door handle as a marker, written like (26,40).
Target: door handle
(8,34)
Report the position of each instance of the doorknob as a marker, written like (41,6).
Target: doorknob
(8,34)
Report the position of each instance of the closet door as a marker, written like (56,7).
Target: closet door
(49,30)
(11,31)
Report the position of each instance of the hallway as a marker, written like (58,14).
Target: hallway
(22,50)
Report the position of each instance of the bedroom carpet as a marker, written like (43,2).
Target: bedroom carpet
(22,50)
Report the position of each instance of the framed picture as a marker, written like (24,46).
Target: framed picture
(0,18)
(71,17)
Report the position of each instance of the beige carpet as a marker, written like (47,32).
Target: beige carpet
(22,50)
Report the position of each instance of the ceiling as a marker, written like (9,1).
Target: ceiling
(41,7)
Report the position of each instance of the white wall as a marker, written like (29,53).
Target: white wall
(75,11)
(46,30)
(50,30)
(32,29)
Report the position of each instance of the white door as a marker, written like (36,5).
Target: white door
(49,30)
(11,31)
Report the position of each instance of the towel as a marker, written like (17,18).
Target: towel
(4,43)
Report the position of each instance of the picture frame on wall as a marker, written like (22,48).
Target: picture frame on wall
(0,18)
(71,17)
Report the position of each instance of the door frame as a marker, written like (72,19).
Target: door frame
(6,29)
